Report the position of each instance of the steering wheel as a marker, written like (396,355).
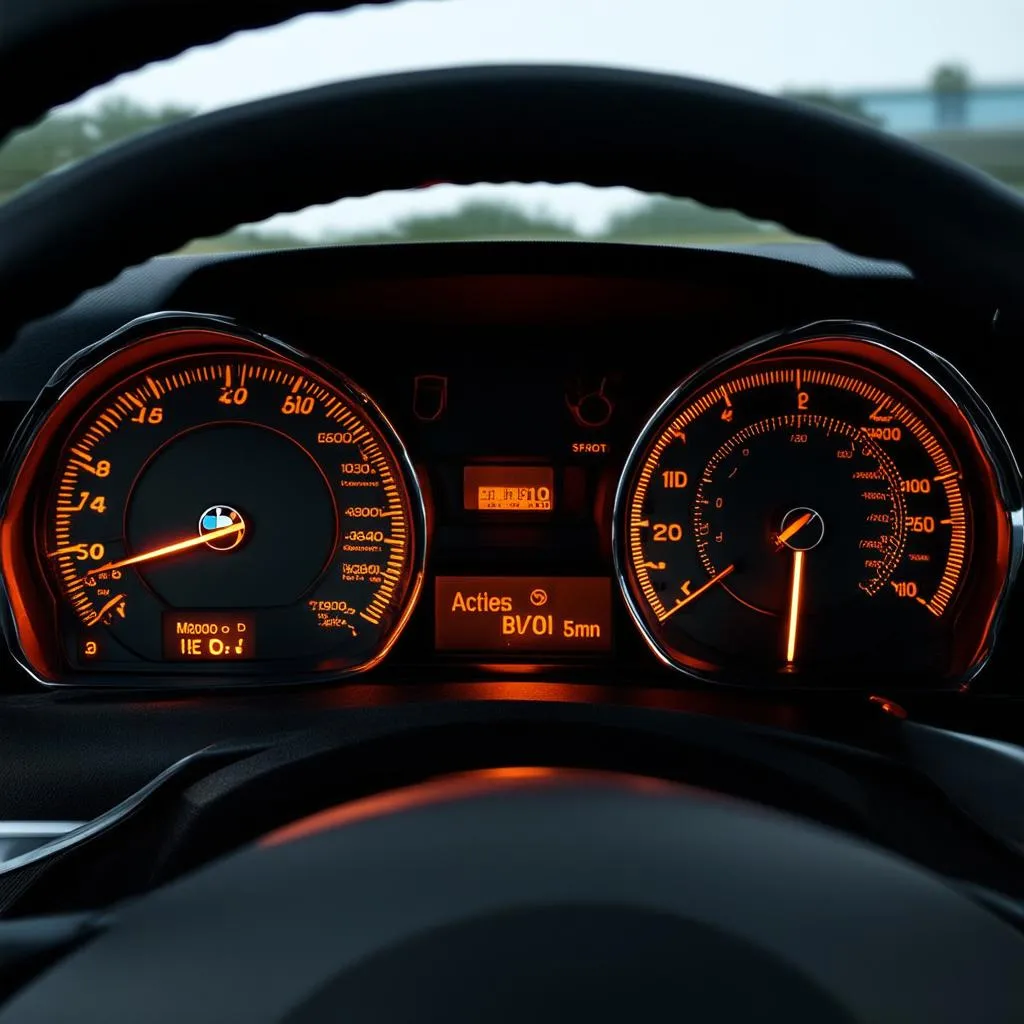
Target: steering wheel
(491,898)
(814,172)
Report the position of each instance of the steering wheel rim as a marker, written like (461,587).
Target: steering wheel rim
(553,896)
(814,172)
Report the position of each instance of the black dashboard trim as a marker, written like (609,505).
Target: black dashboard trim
(218,281)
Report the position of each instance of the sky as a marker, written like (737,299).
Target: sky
(767,45)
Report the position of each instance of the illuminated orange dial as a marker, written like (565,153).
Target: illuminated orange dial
(811,510)
(217,500)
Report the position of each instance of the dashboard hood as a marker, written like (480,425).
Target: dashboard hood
(85,39)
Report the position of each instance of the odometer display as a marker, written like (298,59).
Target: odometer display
(809,512)
(222,505)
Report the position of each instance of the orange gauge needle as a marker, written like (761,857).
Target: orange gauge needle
(172,549)
(683,602)
(795,593)
(794,527)
(112,603)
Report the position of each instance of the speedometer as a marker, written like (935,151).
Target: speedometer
(204,501)
(817,507)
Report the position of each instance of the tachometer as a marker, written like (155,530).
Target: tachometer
(205,501)
(818,507)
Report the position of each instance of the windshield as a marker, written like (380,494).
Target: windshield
(947,74)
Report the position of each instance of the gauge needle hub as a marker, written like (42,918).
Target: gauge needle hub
(171,549)
(683,602)
(802,528)
(794,527)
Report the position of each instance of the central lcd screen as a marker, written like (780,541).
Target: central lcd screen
(526,614)
(509,488)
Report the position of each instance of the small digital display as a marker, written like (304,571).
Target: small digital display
(527,614)
(509,488)
(207,636)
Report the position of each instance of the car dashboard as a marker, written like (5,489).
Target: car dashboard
(753,481)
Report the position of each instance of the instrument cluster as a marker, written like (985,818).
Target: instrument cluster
(191,501)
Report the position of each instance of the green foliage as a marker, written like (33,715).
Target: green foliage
(248,239)
(478,219)
(657,220)
(663,219)
(951,83)
(951,80)
(61,138)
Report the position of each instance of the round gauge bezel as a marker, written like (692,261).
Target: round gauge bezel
(925,376)
(29,610)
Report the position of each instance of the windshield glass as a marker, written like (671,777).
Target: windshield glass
(947,74)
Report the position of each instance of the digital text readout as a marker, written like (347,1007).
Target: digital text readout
(509,488)
(207,636)
(528,614)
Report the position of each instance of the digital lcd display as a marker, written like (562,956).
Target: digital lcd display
(207,636)
(509,488)
(527,614)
